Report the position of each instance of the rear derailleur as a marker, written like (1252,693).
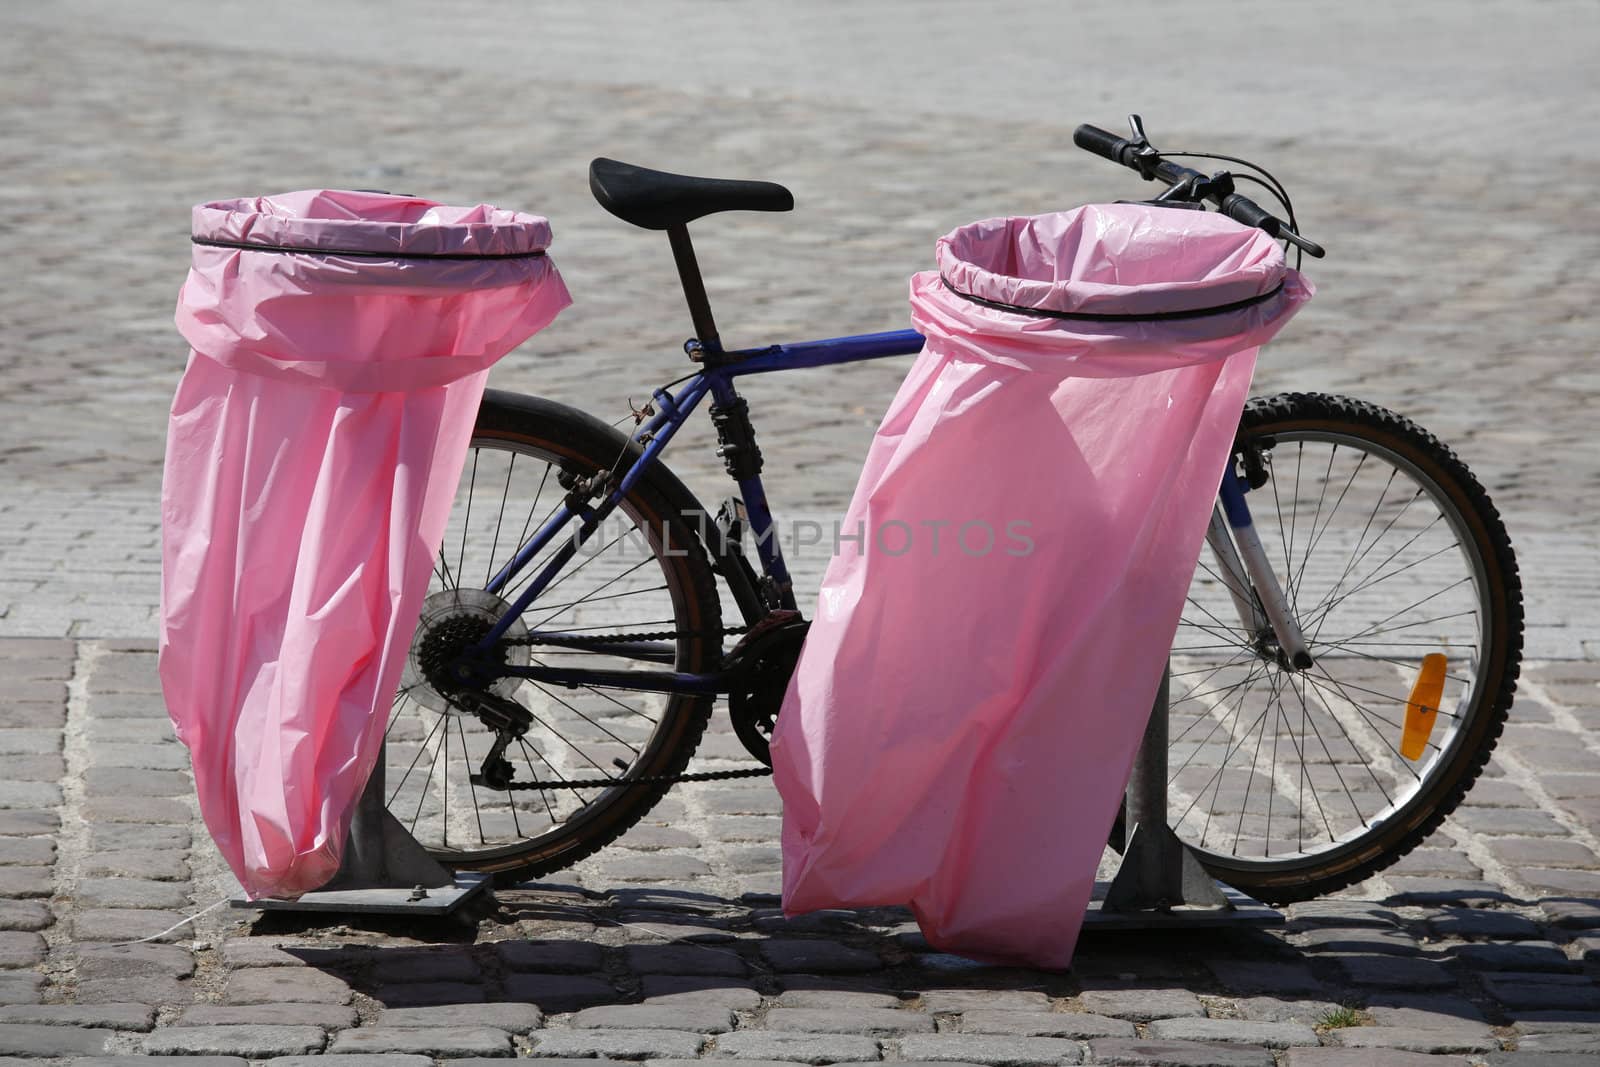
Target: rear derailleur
(509,721)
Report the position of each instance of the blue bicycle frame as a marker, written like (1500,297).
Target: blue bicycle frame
(672,411)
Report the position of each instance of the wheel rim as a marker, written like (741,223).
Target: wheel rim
(1273,770)
(617,584)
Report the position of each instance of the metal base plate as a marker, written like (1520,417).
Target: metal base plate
(1246,911)
(436,901)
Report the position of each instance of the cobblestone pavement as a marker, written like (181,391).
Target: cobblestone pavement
(1481,947)
(1458,292)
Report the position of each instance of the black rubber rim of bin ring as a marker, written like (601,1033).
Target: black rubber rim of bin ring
(363,253)
(1083,316)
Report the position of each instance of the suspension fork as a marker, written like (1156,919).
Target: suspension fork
(1245,570)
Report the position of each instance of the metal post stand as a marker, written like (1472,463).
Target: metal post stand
(1161,883)
(384,870)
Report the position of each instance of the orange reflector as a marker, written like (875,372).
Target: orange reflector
(1423,706)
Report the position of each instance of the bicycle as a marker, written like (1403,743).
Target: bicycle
(624,667)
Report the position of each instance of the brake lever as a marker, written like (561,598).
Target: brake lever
(1311,248)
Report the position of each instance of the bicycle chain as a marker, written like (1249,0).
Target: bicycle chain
(649,779)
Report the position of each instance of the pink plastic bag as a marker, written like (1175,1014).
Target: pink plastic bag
(966,710)
(341,341)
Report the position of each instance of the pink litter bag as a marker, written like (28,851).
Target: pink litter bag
(340,344)
(990,637)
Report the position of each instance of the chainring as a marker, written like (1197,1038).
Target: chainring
(761,665)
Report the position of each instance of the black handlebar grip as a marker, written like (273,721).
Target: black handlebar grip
(1247,211)
(1101,142)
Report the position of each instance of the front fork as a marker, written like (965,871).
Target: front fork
(1253,586)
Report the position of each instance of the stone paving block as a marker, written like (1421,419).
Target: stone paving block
(1509,821)
(157,990)
(28,794)
(244,952)
(327,1016)
(391,1059)
(512,1018)
(1366,942)
(1564,882)
(551,957)
(127,706)
(741,801)
(1425,1011)
(21,987)
(19,948)
(819,957)
(1444,862)
(137,1017)
(160,1061)
(1521,956)
(405,966)
(1271,1009)
(1479,922)
(704,1019)
(1234,1032)
(558,992)
(157,757)
(691,990)
(1411,1039)
(428,994)
(30,743)
(124,924)
(133,961)
(995,1051)
(136,809)
(1572,1042)
(34,768)
(1141,1051)
(25,915)
(1264,976)
(652,867)
(27,851)
(24,882)
(1394,972)
(163,865)
(1570,914)
(270,985)
(1446,891)
(646,838)
(940,1001)
(620,1044)
(22,821)
(1555,1022)
(1542,852)
(134,782)
(1074,1024)
(1543,991)
(252,1042)
(1141,1005)
(438,1041)
(131,893)
(875,1021)
(1346,913)
(122,836)
(1539,1059)
(33,1040)
(655,932)
(795,1048)
(683,959)
(1365,1057)
(835,998)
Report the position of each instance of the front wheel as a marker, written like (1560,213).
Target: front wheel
(1291,783)
(645,572)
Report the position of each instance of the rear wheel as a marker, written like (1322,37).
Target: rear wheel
(1291,783)
(645,571)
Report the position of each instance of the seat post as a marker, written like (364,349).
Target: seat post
(694,288)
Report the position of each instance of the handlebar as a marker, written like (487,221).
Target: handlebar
(1183,181)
